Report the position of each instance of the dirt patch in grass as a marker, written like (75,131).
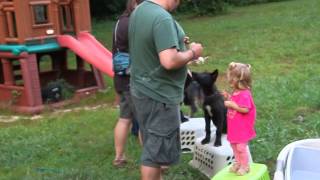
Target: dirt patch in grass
(57,112)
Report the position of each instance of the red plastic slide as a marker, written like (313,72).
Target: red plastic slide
(89,49)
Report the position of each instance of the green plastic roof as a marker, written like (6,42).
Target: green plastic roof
(39,48)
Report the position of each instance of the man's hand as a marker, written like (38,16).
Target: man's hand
(172,58)
(197,49)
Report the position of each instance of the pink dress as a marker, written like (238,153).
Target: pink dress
(241,125)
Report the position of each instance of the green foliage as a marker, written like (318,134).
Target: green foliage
(203,7)
(248,2)
(67,90)
(103,8)
(112,8)
(15,95)
(210,7)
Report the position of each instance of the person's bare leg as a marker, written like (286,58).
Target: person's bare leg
(116,101)
(120,136)
(150,173)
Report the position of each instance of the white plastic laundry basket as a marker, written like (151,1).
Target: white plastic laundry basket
(209,159)
(190,131)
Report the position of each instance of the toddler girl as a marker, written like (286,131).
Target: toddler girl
(241,115)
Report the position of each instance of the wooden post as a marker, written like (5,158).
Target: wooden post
(86,21)
(2,27)
(77,15)
(22,18)
(80,72)
(56,16)
(99,78)
(10,24)
(31,80)
(7,72)
(59,59)
(63,57)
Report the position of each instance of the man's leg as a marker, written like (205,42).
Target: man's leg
(116,99)
(150,173)
(159,124)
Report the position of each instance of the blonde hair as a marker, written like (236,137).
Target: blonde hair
(239,75)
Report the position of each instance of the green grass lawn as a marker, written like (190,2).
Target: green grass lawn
(280,40)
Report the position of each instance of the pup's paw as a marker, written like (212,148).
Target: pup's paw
(217,143)
(206,140)
(184,119)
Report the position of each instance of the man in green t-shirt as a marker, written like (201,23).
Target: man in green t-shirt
(158,72)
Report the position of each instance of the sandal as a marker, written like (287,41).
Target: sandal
(235,167)
(119,163)
(164,168)
(242,171)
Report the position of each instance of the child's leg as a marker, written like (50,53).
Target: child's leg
(236,164)
(243,154)
(243,158)
(236,152)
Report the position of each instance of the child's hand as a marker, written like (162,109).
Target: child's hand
(225,94)
(230,104)
(235,106)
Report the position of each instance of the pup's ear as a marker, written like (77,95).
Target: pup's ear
(214,75)
(215,71)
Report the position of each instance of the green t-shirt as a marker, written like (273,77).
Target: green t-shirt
(152,30)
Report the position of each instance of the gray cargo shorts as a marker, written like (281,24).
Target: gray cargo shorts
(126,106)
(160,129)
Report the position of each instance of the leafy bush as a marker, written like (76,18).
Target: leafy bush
(203,7)
(57,90)
(103,8)
(112,8)
(248,2)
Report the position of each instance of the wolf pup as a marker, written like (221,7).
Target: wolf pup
(213,105)
(193,95)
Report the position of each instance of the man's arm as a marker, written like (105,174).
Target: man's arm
(173,59)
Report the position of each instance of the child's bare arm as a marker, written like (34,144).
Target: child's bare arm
(235,106)
(226,95)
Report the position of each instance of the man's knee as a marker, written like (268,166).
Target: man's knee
(148,173)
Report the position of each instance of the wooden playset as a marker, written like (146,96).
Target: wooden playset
(42,41)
